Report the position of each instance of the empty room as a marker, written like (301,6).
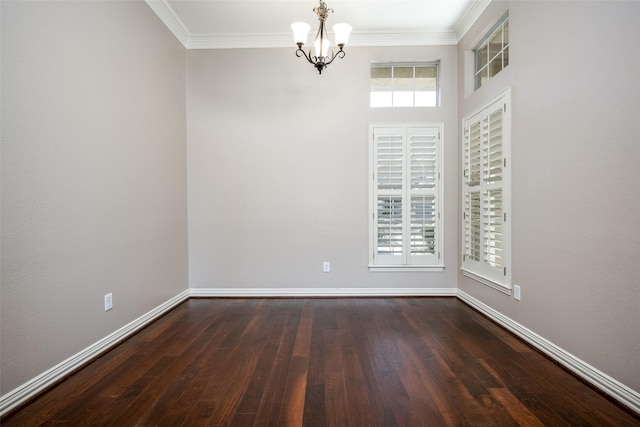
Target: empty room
(260,212)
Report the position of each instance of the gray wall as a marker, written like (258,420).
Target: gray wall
(94,173)
(574,73)
(93,176)
(278,160)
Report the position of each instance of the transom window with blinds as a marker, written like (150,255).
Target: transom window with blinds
(404,85)
(406,197)
(486,194)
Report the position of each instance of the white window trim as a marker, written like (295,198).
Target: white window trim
(475,270)
(373,267)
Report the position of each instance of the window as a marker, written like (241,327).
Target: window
(405,197)
(492,54)
(404,85)
(486,194)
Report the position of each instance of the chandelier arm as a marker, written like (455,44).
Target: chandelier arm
(302,53)
(341,54)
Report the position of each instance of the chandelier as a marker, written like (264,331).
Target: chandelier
(321,43)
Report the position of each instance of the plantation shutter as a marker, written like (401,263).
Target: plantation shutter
(406,182)
(472,153)
(485,194)
(472,229)
(423,177)
(390,177)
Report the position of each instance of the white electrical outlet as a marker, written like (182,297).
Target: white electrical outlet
(326,266)
(516,292)
(108,302)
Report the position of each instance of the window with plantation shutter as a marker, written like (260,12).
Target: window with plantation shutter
(406,229)
(486,194)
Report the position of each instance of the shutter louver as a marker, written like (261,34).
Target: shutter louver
(493,228)
(389,162)
(423,161)
(493,150)
(473,153)
(423,225)
(472,226)
(389,214)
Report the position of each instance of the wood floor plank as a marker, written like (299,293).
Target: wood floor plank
(336,397)
(314,411)
(303,335)
(357,401)
(322,362)
(518,411)
(272,399)
(293,403)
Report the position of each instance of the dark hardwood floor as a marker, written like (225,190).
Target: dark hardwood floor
(322,362)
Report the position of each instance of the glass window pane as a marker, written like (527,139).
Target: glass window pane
(402,99)
(495,44)
(482,57)
(425,98)
(426,78)
(505,31)
(505,56)
(495,66)
(402,79)
(381,99)
(380,78)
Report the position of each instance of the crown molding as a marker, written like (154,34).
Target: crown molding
(168,16)
(469,17)
(239,41)
(405,38)
(172,21)
(271,40)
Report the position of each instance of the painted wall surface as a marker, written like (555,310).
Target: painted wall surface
(574,72)
(93,176)
(278,168)
(95,119)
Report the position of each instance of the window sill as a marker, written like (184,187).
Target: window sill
(492,284)
(405,268)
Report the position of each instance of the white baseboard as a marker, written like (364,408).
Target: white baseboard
(322,292)
(625,395)
(36,385)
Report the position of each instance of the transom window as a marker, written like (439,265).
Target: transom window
(404,85)
(492,54)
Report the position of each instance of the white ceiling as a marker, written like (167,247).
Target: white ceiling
(217,24)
